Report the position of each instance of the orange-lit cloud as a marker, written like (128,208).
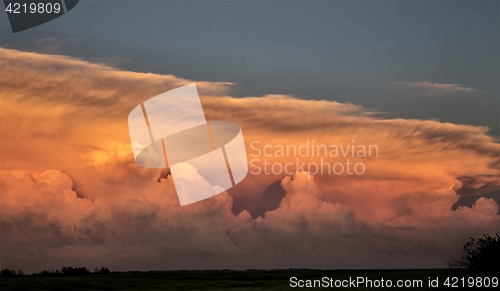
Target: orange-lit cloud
(72,194)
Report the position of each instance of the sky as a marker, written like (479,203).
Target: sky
(419,79)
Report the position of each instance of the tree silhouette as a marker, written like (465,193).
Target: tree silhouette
(65,271)
(480,255)
(69,271)
(102,271)
(7,273)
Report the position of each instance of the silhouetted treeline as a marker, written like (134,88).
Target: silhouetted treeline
(65,271)
(480,255)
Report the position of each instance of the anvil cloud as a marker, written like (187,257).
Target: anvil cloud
(71,193)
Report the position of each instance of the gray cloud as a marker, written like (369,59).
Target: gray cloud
(430,89)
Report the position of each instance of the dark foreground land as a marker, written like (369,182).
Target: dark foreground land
(225,280)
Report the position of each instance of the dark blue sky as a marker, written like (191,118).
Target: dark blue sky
(348,51)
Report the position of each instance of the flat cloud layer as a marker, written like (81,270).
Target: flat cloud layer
(72,194)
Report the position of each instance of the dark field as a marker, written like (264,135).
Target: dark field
(220,280)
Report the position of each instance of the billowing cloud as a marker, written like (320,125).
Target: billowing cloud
(72,194)
(430,89)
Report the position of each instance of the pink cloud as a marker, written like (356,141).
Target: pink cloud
(71,193)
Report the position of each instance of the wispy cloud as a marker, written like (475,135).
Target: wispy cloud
(54,45)
(430,89)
